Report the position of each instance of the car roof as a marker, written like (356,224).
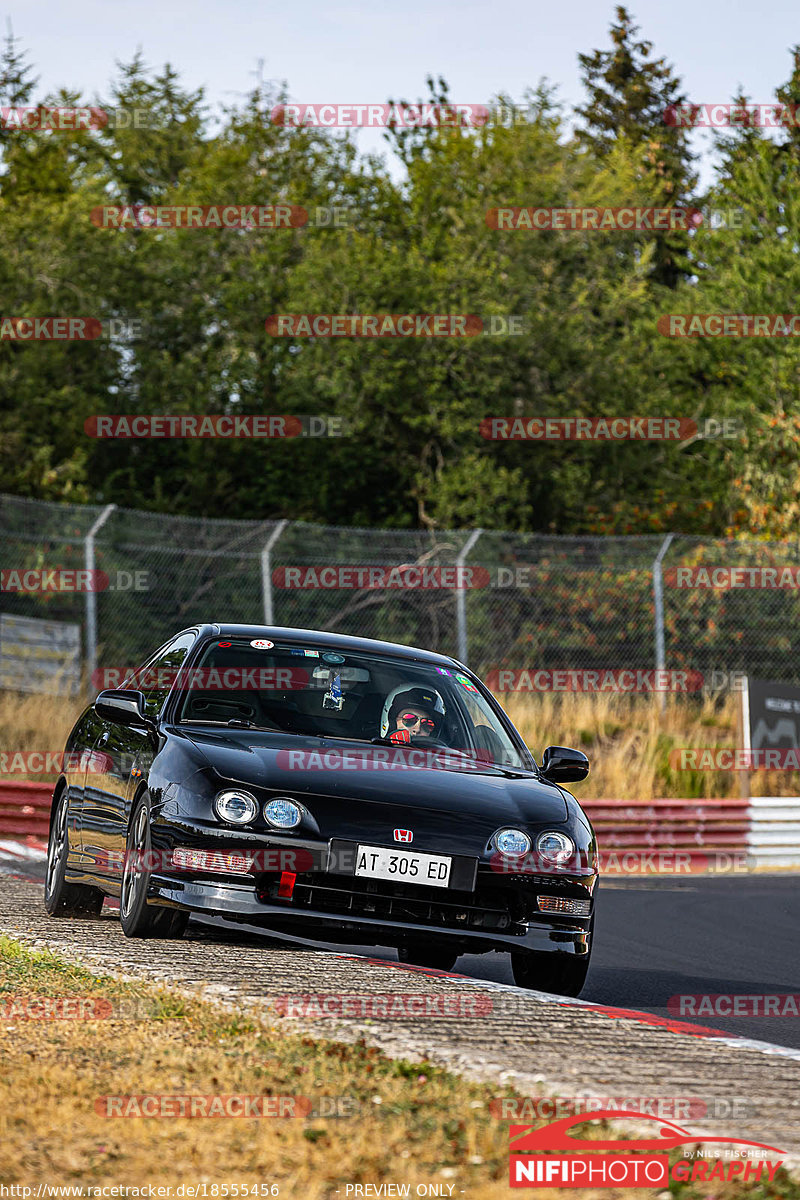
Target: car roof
(319,637)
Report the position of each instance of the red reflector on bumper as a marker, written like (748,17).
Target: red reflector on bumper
(286,885)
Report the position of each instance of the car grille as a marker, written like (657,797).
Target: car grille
(485,908)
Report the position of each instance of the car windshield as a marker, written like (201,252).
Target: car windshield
(255,684)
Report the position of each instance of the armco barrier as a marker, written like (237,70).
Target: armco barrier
(765,828)
(773,838)
(703,830)
(25,809)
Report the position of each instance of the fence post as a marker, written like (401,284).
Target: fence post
(461,597)
(266,571)
(91,595)
(658,597)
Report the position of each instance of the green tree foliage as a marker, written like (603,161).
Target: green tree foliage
(413,239)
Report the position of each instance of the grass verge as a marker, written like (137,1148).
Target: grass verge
(405,1123)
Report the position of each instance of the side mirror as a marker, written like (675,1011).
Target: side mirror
(123,707)
(560,764)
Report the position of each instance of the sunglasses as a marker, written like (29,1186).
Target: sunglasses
(410,719)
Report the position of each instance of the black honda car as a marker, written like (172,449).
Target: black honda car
(332,787)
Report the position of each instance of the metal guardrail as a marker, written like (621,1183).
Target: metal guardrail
(707,833)
(25,809)
(773,839)
(766,828)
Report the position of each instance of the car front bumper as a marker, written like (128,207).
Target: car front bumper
(329,903)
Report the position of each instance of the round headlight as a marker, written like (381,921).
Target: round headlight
(513,841)
(282,813)
(555,848)
(239,808)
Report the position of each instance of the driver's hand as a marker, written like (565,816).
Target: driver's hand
(400,737)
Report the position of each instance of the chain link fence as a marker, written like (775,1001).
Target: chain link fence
(494,599)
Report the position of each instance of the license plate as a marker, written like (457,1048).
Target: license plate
(378,862)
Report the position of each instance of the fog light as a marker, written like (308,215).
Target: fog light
(564,904)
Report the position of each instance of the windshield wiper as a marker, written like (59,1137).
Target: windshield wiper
(232,723)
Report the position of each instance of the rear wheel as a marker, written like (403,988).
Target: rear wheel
(137,917)
(427,956)
(62,899)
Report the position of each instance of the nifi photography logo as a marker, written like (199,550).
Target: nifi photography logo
(545,1157)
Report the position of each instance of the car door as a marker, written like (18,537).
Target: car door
(122,755)
(77,764)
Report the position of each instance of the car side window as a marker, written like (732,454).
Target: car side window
(157,676)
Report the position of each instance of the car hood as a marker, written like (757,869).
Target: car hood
(334,770)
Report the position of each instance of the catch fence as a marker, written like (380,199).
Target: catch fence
(497,600)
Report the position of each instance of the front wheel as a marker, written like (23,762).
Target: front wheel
(427,956)
(62,899)
(137,917)
(562,974)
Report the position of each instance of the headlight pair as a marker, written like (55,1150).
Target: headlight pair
(552,846)
(240,808)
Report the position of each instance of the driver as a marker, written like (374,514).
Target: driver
(412,713)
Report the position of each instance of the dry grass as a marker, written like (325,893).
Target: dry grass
(628,739)
(36,722)
(429,1126)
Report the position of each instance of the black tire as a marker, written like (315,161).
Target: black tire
(62,899)
(427,956)
(562,974)
(136,916)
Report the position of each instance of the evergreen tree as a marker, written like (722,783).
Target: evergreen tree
(632,99)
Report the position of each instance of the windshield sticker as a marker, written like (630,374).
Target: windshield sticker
(332,658)
(443,671)
(261,644)
(467,683)
(311,653)
(224,645)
